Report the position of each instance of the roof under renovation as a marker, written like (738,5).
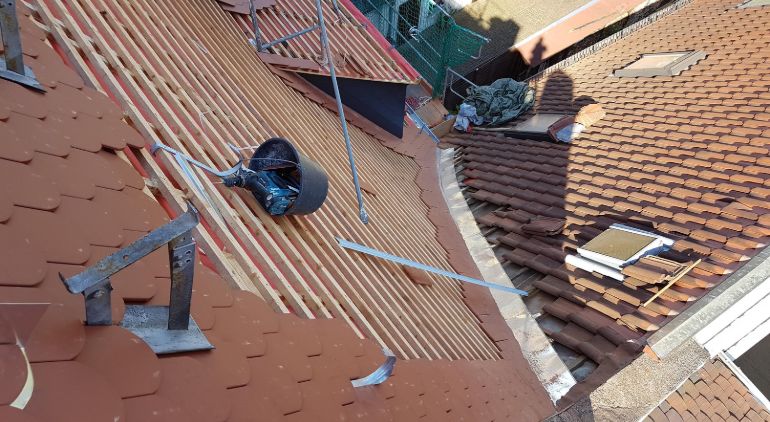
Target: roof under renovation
(293,318)
(684,156)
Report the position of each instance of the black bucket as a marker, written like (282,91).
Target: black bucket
(313,184)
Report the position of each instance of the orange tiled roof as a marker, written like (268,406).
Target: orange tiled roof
(685,156)
(69,196)
(713,393)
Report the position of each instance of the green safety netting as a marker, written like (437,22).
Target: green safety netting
(426,35)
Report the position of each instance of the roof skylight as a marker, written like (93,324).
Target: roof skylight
(660,64)
(754,3)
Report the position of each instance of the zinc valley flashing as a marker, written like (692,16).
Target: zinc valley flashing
(535,346)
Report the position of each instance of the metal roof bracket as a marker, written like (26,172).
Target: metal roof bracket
(12,65)
(166,329)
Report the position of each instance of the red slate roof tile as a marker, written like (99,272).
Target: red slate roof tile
(69,198)
(714,393)
(684,156)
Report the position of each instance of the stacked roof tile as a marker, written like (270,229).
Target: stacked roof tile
(70,197)
(683,156)
(713,393)
(359,51)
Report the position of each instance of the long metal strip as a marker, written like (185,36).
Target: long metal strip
(379,375)
(340,110)
(421,123)
(273,43)
(139,249)
(403,261)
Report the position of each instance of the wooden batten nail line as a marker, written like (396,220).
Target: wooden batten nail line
(673,280)
(403,261)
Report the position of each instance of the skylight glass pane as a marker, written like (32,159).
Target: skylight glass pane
(755,3)
(656,61)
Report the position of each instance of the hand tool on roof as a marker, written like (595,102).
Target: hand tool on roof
(166,329)
(408,262)
(676,277)
(283,180)
(328,61)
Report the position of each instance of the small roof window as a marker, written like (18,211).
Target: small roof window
(660,64)
(754,3)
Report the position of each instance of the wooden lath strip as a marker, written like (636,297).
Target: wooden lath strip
(341,170)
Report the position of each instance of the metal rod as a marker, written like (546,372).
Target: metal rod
(403,261)
(671,282)
(184,157)
(379,375)
(255,25)
(181,257)
(137,250)
(451,73)
(288,37)
(420,123)
(9,29)
(340,110)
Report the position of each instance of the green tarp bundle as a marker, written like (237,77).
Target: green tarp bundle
(502,101)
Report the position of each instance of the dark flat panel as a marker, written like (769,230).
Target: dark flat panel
(380,102)
(754,363)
